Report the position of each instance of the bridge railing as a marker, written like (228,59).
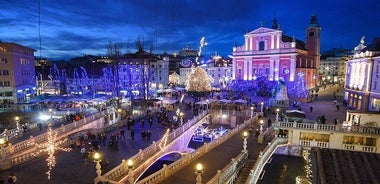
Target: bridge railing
(64,129)
(328,127)
(263,159)
(168,170)
(143,155)
(229,173)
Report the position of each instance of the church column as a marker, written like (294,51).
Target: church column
(278,41)
(292,69)
(233,68)
(245,69)
(246,43)
(250,43)
(271,70)
(250,69)
(271,41)
(277,69)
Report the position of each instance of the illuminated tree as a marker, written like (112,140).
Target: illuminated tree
(198,82)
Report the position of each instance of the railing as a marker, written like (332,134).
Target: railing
(324,127)
(187,159)
(26,150)
(356,147)
(143,155)
(229,173)
(319,144)
(263,158)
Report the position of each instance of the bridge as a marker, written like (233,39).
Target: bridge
(24,151)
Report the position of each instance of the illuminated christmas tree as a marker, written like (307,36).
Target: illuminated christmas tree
(198,83)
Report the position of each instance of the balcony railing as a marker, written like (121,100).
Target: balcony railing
(358,147)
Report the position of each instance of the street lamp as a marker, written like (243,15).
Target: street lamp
(199,172)
(130,169)
(97,157)
(245,136)
(252,111)
(277,111)
(51,113)
(119,112)
(262,106)
(260,138)
(17,122)
(207,103)
(181,115)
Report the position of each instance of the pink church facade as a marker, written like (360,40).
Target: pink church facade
(268,53)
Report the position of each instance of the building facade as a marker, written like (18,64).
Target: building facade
(361,90)
(332,69)
(268,52)
(17,74)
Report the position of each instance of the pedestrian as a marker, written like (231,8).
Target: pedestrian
(40,126)
(122,132)
(12,179)
(142,123)
(148,135)
(132,134)
(143,135)
(337,107)
(336,121)
(311,108)
(150,120)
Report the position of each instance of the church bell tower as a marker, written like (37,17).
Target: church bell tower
(313,41)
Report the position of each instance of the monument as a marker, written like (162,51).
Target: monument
(279,95)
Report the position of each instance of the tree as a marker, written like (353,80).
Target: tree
(198,82)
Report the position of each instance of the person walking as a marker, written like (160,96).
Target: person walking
(12,179)
(311,109)
(132,134)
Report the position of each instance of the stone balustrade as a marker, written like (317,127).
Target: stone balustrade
(191,157)
(357,147)
(314,143)
(229,173)
(328,127)
(143,157)
(263,159)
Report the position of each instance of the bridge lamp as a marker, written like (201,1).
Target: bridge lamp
(97,157)
(181,115)
(199,172)
(252,108)
(130,169)
(245,137)
(261,126)
(262,106)
(51,113)
(277,111)
(17,119)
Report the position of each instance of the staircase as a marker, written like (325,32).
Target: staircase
(244,172)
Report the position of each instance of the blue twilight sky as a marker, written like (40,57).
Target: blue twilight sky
(72,28)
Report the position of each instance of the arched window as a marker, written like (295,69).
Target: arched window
(261,45)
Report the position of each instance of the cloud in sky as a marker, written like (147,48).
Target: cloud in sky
(73,28)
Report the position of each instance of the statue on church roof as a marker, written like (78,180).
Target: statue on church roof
(361,46)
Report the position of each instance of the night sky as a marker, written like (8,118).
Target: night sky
(72,28)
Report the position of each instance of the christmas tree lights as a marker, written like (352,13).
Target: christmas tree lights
(198,82)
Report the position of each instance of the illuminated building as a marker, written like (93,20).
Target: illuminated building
(362,90)
(266,52)
(17,74)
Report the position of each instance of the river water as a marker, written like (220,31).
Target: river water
(282,169)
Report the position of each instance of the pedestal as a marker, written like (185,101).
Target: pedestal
(260,139)
(5,163)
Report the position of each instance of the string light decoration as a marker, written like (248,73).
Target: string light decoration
(198,82)
(164,140)
(50,147)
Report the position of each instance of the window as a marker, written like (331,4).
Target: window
(7,83)
(311,34)
(1,83)
(5,72)
(4,60)
(261,45)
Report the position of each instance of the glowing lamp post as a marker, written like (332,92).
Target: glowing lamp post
(5,162)
(17,119)
(207,103)
(252,108)
(119,113)
(51,113)
(277,111)
(262,106)
(260,139)
(181,115)
(245,137)
(130,169)
(97,157)
(199,172)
